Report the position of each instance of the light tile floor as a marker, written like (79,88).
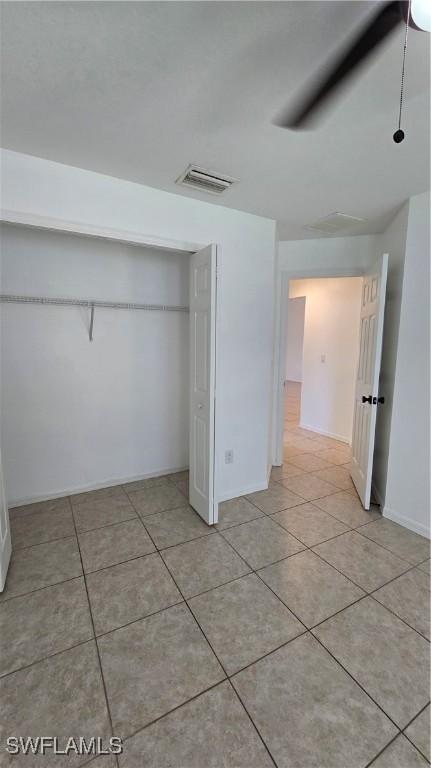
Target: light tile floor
(295,633)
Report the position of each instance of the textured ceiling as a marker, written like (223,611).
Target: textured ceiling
(139,90)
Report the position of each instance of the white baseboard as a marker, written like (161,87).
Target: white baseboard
(341,438)
(407,522)
(243,491)
(91,487)
(233,494)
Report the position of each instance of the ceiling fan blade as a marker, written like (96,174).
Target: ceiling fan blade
(369,39)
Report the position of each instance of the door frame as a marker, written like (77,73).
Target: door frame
(35,221)
(280,339)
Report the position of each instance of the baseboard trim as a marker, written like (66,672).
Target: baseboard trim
(407,522)
(341,438)
(243,491)
(112,482)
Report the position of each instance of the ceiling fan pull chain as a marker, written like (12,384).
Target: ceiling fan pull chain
(399,134)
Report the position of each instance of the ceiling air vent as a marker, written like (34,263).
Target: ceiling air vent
(206,181)
(334,223)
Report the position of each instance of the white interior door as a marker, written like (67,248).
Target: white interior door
(203,288)
(367,380)
(5,538)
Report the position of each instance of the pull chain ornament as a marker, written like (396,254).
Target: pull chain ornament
(399,134)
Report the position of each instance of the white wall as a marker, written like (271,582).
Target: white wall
(331,331)
(77,413)
(295,338)
(245,298)
(340,254)
(407,497)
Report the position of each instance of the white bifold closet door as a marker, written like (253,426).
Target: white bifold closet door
(203,290)
(367,380)
(5,537)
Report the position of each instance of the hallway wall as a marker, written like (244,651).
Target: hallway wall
(295,338)
(331,348)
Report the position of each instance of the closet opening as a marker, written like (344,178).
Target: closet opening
(108,373)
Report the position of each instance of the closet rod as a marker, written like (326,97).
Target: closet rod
(89,303)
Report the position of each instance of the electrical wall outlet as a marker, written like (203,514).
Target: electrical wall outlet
(228,456)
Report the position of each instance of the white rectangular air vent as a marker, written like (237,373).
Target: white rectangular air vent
(334,223)
(206,181)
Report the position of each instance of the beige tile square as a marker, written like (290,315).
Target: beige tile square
(419,732)
(212,731)
(40,506)
(179,477)
(347,507)
(305,445)
(101,512)
(309,712)
(363,561)
(147,482)
(310,524)
(309,587)
(61,696)
(400,754)
(290,450)
(39,528)
(42,623)
(261,542)
(114,544)
(130,591)
(111,492)
(275,498)
(402,542)
(338,476)
(387,658)
(236,511)
(154,665)
(331,442)
(309,487)
(286,470)
(42,565)
(158,499)
(301,432)
(309,462)
(409,597)
(336,455)
(243,621)
(203,564)
(176,526)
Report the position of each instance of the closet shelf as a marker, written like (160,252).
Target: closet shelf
(91,304)
(15,299)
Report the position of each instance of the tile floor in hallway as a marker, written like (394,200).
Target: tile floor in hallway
(295,633)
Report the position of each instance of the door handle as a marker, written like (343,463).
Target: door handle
(378,400)
(368,399)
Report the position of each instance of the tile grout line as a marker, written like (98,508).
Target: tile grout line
(213,651)
(253,571)
(310,631)
(264,514)
(108,709)
(368,765)
(367,593)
